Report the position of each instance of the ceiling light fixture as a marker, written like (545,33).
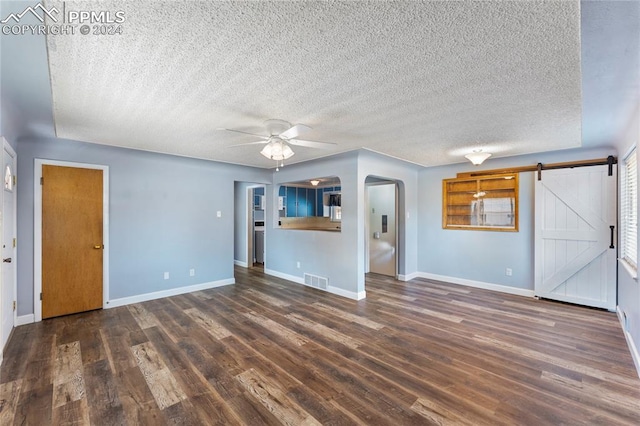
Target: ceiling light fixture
(277,150)
(477,157)
(314,182)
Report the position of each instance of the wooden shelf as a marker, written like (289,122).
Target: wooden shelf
(481,203)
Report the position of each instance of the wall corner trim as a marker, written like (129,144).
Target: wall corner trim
(633,348)
(477,284)
(408,277)
(114,303)
(330,289)
(25,319)
(241,263)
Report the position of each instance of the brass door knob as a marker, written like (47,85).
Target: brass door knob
(97,247)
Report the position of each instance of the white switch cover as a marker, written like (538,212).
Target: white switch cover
(219,213)
(166,275)
(298,265)
(192,272)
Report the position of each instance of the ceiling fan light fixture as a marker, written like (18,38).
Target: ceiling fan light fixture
(477,157)
(314,182)
(277,150)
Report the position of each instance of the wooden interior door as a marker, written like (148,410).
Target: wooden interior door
(575,253)
(72,243)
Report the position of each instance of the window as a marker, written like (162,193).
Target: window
(629,206)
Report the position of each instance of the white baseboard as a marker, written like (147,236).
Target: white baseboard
(476,284)
(635,355)
(284,276)
(113,303)
(346,293)
(408,277)
(333,290)
(25,319)
(240,263)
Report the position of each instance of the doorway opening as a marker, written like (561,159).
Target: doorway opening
(249,225)
(382,226)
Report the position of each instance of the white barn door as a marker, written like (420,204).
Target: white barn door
(575,247)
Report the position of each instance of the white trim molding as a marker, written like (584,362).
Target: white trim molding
(476,284)
(240,263)
(630,342)
(37,229)
(114,303)
(408,277)
(330,289)
(8,149)
(25,319)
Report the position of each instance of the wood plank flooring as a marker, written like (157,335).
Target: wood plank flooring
(267,351)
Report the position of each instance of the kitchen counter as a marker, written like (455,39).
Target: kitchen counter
(311,223)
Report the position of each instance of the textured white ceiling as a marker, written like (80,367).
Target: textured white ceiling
(422,81)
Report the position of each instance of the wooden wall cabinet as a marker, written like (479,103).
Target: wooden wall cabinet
(487,203)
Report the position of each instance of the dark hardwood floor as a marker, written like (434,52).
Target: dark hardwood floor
(266,351)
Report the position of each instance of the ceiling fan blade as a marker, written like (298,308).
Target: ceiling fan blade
(294,131)
(245,133)
(249,143)
(311,144)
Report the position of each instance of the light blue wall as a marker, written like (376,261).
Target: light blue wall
(484,255)
(406,174)
(8,123)
(629,288)
(341,256)
(162,216)
(328,254)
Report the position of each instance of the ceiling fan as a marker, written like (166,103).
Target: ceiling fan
(281,135)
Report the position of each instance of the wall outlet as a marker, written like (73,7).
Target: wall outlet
(508,272)
(298,265)
(192,272)
(219,213)
(166,275)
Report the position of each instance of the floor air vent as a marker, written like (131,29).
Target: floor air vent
(316,281)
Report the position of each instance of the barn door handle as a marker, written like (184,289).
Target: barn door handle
(7,260)
(612,228)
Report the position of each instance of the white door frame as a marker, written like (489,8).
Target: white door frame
(7,147)
(37,229)
(367,224)
(249,224)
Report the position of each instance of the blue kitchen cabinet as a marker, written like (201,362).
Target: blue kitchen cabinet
(291,201)
(311,202)
(319,209)
(302,203)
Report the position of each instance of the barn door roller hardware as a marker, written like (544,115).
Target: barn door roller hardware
(609,161)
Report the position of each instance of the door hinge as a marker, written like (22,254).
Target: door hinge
(14,305)
(15,242)
(40,296)
(15,180)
